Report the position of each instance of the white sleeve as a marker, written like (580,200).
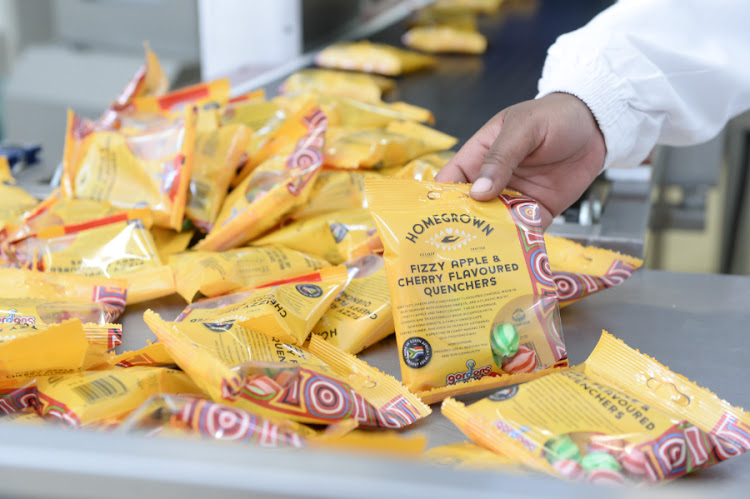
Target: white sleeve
(656,71)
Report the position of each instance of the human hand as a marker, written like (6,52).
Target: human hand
(550,149)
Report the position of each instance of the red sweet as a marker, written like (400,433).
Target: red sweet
(633,461)
(604,476)
(601,442)
(262,385)
(524,361)
(569,468)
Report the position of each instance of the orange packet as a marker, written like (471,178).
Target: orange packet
(336,237)
(211,274)
(473,297)
(620,417)
(253,371)
(581,271)
(397,144)
(445,39)
(89,397)
(274,189)
(206,95)
(217,155)
(359,86)
(286,309)
(147,168)
(372,58)
(361,315)
(118,246)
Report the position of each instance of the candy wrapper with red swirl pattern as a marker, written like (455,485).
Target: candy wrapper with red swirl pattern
(621,417)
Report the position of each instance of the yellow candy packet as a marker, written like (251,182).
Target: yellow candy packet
(162,414)
(476,6)
(620,417)
(27,352)
(118,246)
(445,39)
(473,297)
(335,190)
(581,271)
(255,114)
(149,80)
(211,274)
(271,191)
(372,58)
(250,370)
(169,242)
(468,455)
(286,309)
(362,87)
(89,397)
(336,237)
(425,167)
(153,354)
(206,95)
(436,17)
(397,144)
(217,155)
(361,314)
(149,168)
(348,112)
(14,200)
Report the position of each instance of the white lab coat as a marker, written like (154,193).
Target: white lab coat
(656,71)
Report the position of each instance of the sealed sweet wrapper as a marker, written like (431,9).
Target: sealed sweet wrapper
(425,167)
(149,168)
(468,455)
(57,210)
(621,417)
(86,398)
(336,237)
(581,271)
(207,95)
(271,191)
(149,80)
(348,112)
(119,246)
(285,134)
(14,200)
(154,355)
(20,283)
(215,161)
(243,368)
(213,421)
(286,309)
(41,311)
(361,314)
(207,273)
(397,144)
(254,114)
(472,294)
(27,352)
(335,190)
(169,242)
(372,58)
(362,87)
(445,39)
(436,17)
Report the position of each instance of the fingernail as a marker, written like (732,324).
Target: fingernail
(481,186)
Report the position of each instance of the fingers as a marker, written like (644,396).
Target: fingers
(464,166)
(520,135)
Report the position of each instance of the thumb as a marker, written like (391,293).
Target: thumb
(518,137)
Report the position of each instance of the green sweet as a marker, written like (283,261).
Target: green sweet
(600,460)
(504,341)
(562,448)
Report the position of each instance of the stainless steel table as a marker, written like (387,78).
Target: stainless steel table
(695,324)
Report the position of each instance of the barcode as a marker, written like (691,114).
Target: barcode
(530,346)
(102,388)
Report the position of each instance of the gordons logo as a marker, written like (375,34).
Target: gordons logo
(451,237)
